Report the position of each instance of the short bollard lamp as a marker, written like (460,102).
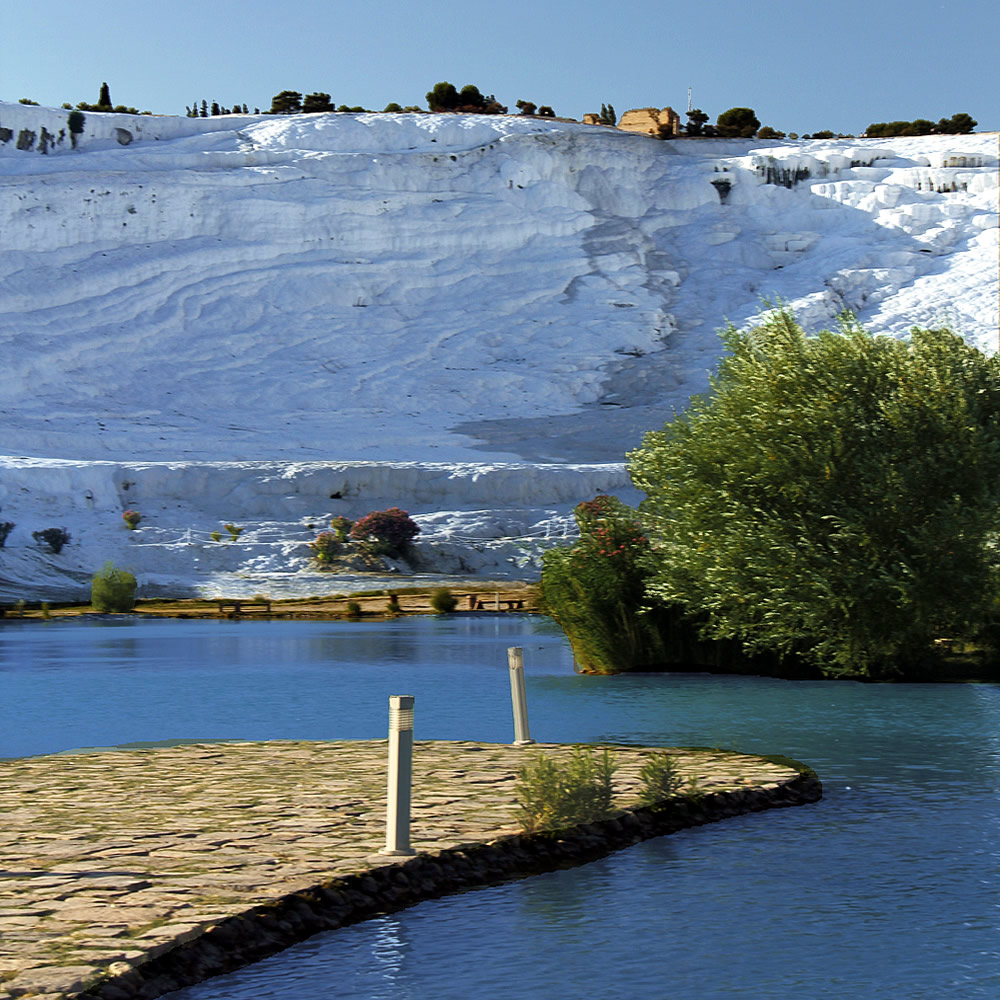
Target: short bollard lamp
(397,809)
(518,697)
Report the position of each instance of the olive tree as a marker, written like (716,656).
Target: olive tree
(834,497)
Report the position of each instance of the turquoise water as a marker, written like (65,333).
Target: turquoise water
(889,887)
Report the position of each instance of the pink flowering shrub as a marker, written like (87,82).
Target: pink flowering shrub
(132,519)
(387,532)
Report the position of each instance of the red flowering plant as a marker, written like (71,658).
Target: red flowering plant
(386,532)
(595,589)
(132,519)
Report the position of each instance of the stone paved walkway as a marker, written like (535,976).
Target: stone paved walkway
(107,858)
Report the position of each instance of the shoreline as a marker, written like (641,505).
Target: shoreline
(207,857)
(492,596)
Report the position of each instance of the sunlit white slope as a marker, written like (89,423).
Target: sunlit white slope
(464,291)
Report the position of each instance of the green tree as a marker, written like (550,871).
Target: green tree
(526,107)
(738,122)
(608,116)
(443,97)
(104,99)
(113,589)
(288,102)
(318,102)
(834,498)
(696,119)
(959,124)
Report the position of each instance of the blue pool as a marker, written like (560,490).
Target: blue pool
(889,887)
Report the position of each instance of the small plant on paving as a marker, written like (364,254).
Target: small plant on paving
(234,532)
(325,547)
(691,790)
(341,527)
(54,538)
(132,519)
(660,780)
(6,527)
(443,601)
(388,532)
(113,589)
(216,536)
(554,796)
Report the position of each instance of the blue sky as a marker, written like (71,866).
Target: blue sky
(803,66)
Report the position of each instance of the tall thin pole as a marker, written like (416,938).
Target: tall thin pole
(518,696)
(400,778)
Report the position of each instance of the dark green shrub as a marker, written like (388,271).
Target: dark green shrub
(113,590)
(6,527)
(393,606)
(353,609)
(443,601)
(54,538)
(341,527)
(75,120)
(325,547)
(389,532)
(554,796)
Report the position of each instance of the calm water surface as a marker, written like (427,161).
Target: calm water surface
(890,887)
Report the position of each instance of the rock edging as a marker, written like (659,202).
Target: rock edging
(263,930)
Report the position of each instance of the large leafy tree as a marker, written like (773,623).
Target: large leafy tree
(834,497)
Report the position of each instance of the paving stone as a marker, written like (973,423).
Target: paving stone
(193,834)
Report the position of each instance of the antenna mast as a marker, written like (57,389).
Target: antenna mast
(689,98)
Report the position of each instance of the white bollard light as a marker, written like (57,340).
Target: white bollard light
(518,697)
(397,809)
